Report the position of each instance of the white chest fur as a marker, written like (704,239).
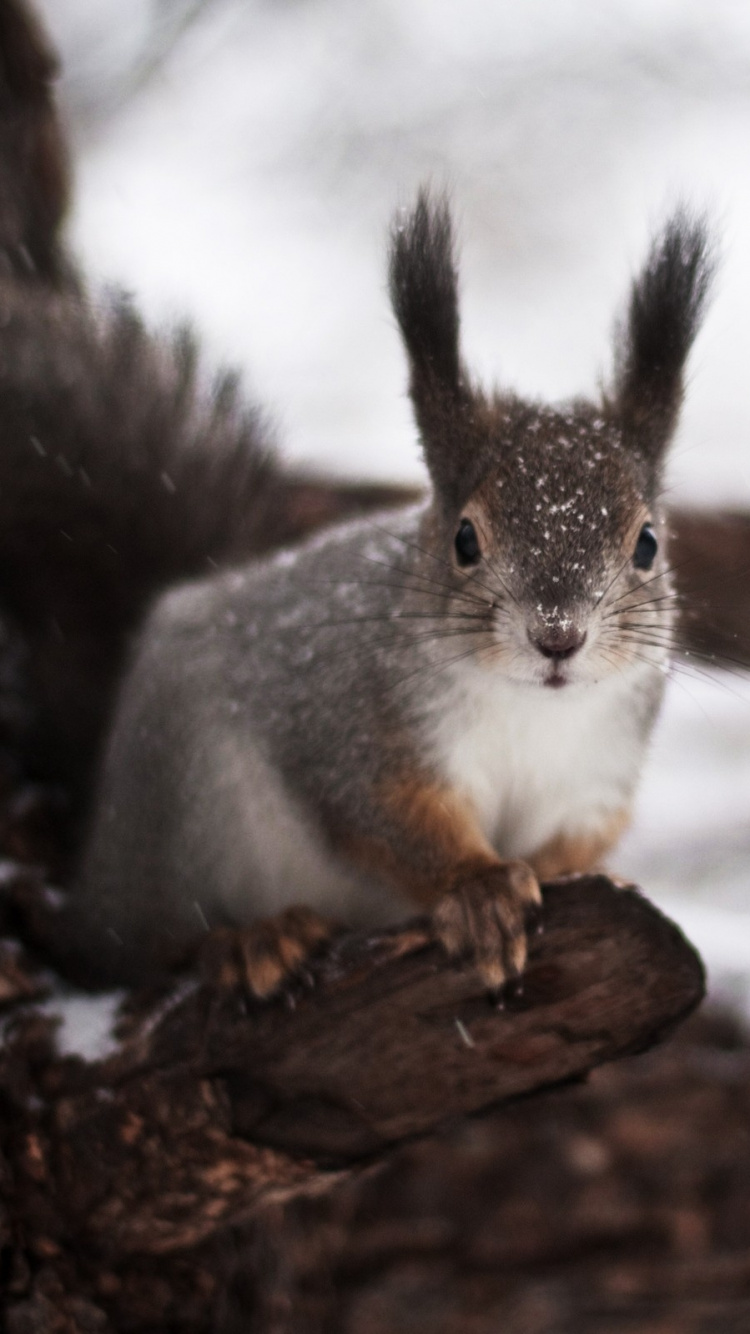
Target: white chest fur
(537,762)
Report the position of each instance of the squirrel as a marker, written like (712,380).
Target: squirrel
(444,706)
(441,706)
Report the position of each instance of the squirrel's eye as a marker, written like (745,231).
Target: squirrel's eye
(467,544)
(645,548)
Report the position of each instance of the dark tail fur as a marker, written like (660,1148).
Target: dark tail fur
(121,470)
(33,156)
(118,476)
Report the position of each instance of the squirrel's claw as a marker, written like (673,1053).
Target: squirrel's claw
(483,921)
(266,955)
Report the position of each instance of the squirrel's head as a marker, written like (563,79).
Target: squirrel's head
(550,517)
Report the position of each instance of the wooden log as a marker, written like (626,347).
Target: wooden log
(391,1040)
(131,1175)
(618,1206)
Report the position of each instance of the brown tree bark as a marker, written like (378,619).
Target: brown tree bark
(130,1183)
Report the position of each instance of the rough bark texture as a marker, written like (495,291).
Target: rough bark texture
(239,1161)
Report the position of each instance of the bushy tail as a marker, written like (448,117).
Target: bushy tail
(122,469)
(34,177)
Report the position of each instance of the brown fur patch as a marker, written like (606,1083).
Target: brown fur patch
(642,515)
(568,853)
(435,852)
(436,841)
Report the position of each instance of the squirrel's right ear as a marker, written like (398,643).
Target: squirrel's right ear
(667,303)
(423,282)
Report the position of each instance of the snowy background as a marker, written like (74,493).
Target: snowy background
(238,161)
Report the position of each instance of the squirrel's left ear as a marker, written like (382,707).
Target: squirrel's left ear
(667,303)
(423,283)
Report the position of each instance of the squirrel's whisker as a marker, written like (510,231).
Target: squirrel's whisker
(416,575)
(447,564)
(613,580)
(366,648)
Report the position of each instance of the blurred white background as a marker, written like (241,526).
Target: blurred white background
(238,161)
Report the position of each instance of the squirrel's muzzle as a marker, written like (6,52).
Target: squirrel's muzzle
(559,641)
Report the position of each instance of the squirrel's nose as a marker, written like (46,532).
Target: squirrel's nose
(558,641)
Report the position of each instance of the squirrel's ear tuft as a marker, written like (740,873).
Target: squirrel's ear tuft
(423,283)
(667,303)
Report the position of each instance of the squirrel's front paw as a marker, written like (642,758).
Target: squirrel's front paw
(483,921)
